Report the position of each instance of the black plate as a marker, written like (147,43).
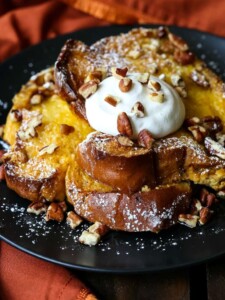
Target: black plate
(118,252)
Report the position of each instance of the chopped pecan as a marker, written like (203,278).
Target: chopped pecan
(145,139)
(178,42)
(94,75)
(181,91)
(188,220)
(124,125)
(199,133)
(154,85)
(199,79)
(112,100)
(37,207)
(212,124)
(93,234)
(66,129)
(73,220)
(153,68)
(119,73)
(162,32)
(16,115)
(220,138)
(47,149)
(206,198)
(157,96)
(214,148)
(195,208)
(54,212)
(124,141)
(88,88)
(135,53)
(191,122)
(63,205)
(184,57)
(142,77)
(28,128)
(177,80)
(138,110)
(36,99)
(205,215)
(125,84)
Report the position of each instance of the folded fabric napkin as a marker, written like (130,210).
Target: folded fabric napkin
(25,277)
(24,23)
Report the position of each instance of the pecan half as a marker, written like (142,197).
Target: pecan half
(125,84)
(124,125)
(145,139)
(206,198)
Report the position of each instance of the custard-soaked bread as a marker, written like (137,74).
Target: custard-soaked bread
(144,210)
(43,135)
(156,51)
(125,167)
(128,167)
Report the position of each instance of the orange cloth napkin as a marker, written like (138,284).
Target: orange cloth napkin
(24,23)
(23,277)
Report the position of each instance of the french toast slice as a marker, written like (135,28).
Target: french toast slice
(156,51)
(170,160)
(43,138)
(145,210)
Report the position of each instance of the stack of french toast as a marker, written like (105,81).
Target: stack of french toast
(136,179)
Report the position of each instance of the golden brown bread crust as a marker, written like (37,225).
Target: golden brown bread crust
(50,187)
(151,210)
(126,168)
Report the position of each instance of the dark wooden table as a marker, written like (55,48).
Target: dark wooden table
(205,281)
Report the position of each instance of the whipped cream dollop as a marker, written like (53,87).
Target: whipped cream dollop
(160,119)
